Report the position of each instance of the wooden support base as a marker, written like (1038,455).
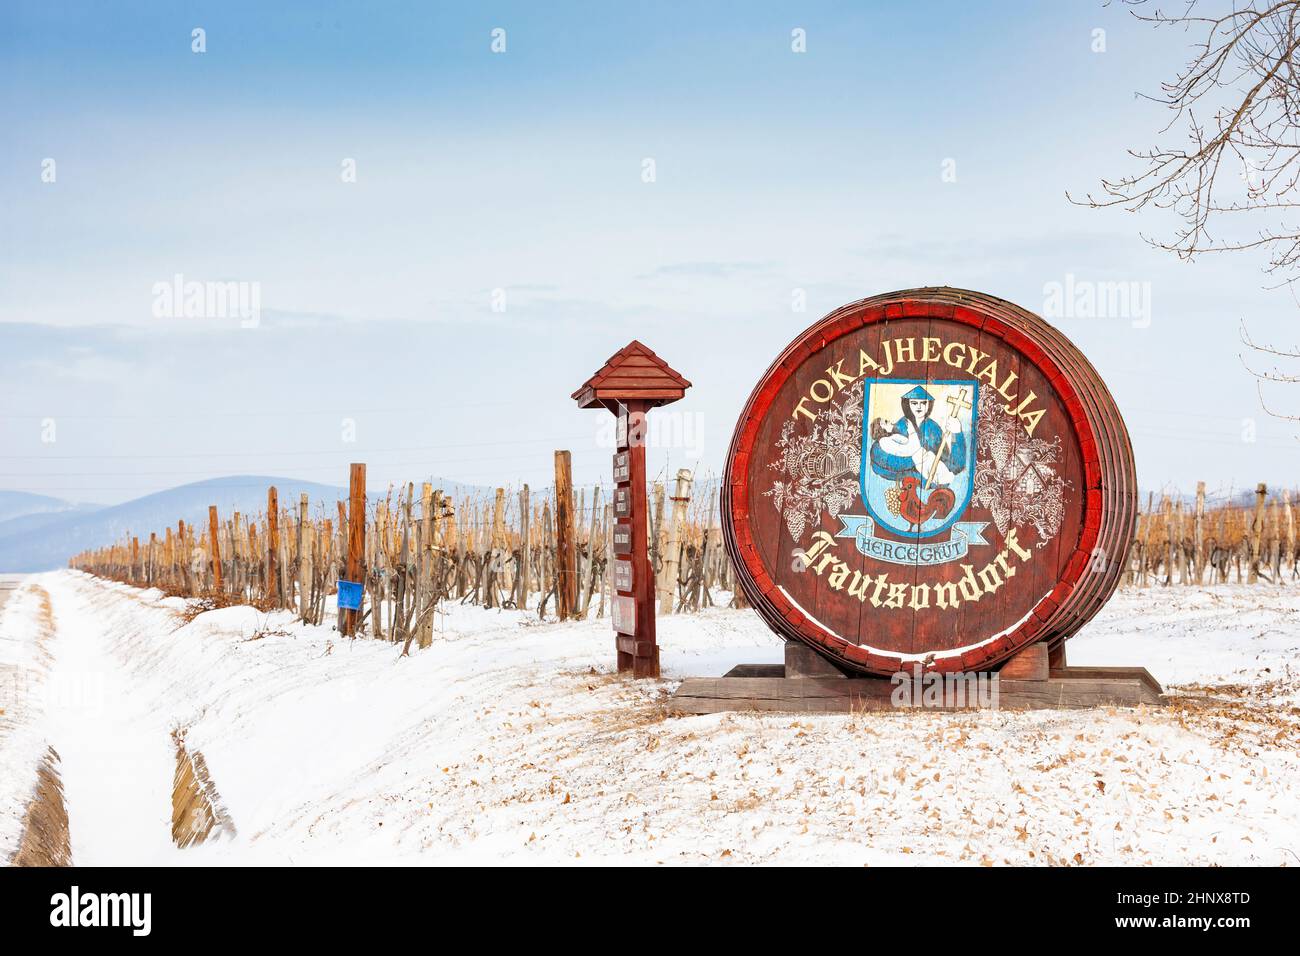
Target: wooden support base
(802,661)
(792,688)
(1029,664)
(639,657)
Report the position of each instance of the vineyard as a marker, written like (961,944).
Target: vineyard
(1217,542)
(414,550)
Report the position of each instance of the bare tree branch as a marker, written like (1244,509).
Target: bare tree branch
(1237,104)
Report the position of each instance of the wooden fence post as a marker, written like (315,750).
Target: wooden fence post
(547,556)
(356,555)
(1257,530)
(1275,541)
(271,581)
(566,560)
(1180,552)
(1290,533)
(304,559)
(1198,534)
(214,549)
(681,497)
(425,558)
(1170,526)
(521,591)
(590,588)
(1146,537)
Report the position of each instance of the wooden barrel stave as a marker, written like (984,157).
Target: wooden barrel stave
(1120,494)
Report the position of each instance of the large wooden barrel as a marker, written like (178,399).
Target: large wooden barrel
(933,477)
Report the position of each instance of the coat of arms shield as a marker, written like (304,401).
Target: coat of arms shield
(918,453)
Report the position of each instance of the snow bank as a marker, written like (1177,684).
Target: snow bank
(24,667)
(510,740)
(1212,635)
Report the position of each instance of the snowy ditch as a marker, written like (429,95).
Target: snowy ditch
(103,799)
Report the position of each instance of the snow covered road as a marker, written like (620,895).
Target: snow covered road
(509,740)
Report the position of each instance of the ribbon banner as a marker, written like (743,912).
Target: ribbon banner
(961,536)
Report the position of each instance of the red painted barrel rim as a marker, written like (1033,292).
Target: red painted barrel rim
(986,652)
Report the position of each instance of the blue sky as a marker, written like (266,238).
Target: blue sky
(522,171)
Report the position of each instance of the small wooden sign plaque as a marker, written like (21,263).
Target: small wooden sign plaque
(624,615)
(620,430)
(623,576)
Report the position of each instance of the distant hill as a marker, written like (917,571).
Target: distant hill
(22,504)
(47,539)
(1239,496)
(31,522)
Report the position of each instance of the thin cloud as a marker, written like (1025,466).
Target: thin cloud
(708,270)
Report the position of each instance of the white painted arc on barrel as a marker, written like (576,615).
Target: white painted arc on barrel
(916,658)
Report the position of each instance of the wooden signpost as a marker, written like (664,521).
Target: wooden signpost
(632,382)
(928,482)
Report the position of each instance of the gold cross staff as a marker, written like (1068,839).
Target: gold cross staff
(956,403)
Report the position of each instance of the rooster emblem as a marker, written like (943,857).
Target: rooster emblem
(904,500)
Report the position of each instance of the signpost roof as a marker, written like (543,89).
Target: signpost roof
(633,372)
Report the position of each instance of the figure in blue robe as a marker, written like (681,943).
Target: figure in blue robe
(894,453)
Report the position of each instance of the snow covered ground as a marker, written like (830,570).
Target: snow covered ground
(510,740)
